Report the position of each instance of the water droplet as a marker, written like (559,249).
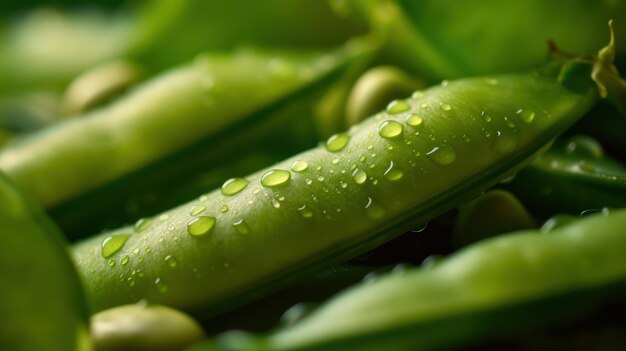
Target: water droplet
(124,260)
(397,106)
(390,129)
(305,212)
(112,244)
(234,186)
(203,198)
(148,250)
(584,146)
(136,250)
(171,261)
(509,123)
(337,142)
(445,107)
(142,225)
(419,229)
(374,210)
(423,105)
(197,209)
(359,176)
(343,184)
(557,221)
(275,178)
(308,181)
(224,208)
(362,158)
(275,203)
(505,143)
(335,161)
(111,263)
(299,166)
(393,173)
(164,217)
(418,94)
(526,115)
(443,154)
(486,117)
(161,287)
(414,120)
(432,261)
(200,226)
(241,226)
(604,211)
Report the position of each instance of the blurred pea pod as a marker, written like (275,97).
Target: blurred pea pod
(208,25)
(448,39)
(47,48)
(188,120)
(537,278)
(573,176)
(41,299)
(421,157)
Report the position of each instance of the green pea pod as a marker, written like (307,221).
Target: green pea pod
(41,300)
(160,133)
(538,279)
(448,39)
(46,48)
(573,176)
(419,158)
(208,26)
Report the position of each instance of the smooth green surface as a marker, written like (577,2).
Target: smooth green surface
(470,295)
(346,218)
(43,307)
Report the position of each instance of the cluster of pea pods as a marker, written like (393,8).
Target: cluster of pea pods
(467,191)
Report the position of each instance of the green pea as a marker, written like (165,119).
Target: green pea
(41,298)
(509,283)
(494,213)
(100,85)
(143,327)
(215,271)
(375,88)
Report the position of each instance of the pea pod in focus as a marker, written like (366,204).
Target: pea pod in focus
(188,119)
(536,277)
(422,156)
(41,298)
